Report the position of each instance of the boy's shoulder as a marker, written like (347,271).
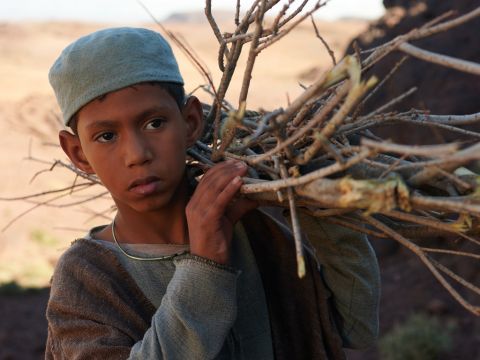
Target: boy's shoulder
(87,264)
(83,264)
(83,252)
(92,307)
(94,271)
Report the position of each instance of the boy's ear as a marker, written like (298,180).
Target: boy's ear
(71,146)
(193,115)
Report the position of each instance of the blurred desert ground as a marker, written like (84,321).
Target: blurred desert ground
(31,245)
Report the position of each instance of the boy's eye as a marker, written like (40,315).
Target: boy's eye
(155,124)
(105,137)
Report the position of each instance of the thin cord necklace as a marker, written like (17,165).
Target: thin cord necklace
(164,257)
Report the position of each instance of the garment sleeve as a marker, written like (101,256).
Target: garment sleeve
(95,310)
(350,270)
(195,315)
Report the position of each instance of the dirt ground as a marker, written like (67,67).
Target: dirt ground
(407,287)
(30,247)
(23,327)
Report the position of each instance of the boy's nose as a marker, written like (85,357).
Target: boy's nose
(137,151)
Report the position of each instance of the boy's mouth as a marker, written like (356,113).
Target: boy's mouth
(144,186)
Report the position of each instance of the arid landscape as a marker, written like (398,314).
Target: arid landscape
(31,244)
(29,124)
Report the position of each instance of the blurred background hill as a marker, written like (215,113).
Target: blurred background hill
(439,90)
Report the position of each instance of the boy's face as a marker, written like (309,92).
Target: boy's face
(135,140)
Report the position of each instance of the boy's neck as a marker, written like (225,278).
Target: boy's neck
(163,226)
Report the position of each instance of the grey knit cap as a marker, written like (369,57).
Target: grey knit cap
(109,60)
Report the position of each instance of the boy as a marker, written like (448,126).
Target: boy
(176,275)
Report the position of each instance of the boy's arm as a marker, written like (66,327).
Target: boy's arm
(196,313)
(350,270)
(95,311)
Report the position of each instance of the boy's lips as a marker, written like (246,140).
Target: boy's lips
(144,186)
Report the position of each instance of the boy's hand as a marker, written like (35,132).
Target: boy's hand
(212,211)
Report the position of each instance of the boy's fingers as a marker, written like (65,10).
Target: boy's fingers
(222,167)
(215,181)
(225,169)
(223,199)
(219,173)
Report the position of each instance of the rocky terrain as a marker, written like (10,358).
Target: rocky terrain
(439,90)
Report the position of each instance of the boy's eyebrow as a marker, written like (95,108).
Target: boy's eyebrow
(101,124)
(112,123)
(151,111)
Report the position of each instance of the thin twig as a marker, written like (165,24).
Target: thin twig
(451,252)
(453,120)
(43,193)
(426,260)
(392,102)
(270,41)
(317,33)
(377,87)
(444,60)
(237,13)
(383,50)
(421,150)
(295,225)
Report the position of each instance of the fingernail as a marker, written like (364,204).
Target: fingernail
(240,165)
(237,179)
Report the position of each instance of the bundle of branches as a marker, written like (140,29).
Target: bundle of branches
(319,154)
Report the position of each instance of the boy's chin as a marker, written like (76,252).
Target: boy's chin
(160,202)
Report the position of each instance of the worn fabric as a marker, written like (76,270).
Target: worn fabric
(303,322)
(301,317)
(109,60)
(350,270)
(89,319)
(249,336)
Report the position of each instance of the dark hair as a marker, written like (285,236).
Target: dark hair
(175,90)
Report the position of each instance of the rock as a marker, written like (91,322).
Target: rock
(440,90)
(437,307)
